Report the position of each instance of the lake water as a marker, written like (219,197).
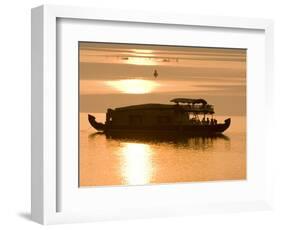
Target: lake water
(105,161)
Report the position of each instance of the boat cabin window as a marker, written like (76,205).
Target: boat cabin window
(163,119)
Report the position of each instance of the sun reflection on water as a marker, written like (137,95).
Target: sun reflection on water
(137,165)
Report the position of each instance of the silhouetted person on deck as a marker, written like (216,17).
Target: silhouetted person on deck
(203,121)
(208,121)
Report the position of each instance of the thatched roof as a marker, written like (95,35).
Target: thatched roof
(204,108)
(146,106)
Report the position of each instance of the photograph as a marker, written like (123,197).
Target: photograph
(158,114)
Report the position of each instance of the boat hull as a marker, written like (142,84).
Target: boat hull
(176,130)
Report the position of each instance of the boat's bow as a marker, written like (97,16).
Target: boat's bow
(97,125)
(226,124)
(227,121)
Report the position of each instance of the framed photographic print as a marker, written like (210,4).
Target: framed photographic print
(140,114)
(144,115)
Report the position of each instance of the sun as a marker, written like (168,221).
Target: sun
(133,86)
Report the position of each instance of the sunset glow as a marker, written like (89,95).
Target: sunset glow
(133,86)
(140,61)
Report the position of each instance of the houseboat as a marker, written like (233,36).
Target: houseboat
(183,116)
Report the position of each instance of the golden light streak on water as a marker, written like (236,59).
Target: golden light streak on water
(137,166)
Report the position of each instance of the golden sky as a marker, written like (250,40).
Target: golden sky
(114,75)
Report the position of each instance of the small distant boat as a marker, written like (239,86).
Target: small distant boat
(180,118)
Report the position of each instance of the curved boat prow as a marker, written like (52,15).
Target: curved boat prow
(227,123)
(97,125)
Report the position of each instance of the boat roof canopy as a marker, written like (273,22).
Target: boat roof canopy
(145,106)
(188,105)
(161,107)
(189,101)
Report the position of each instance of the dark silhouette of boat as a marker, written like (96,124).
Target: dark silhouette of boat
(178,119)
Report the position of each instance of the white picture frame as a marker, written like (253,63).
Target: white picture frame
(48,177)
